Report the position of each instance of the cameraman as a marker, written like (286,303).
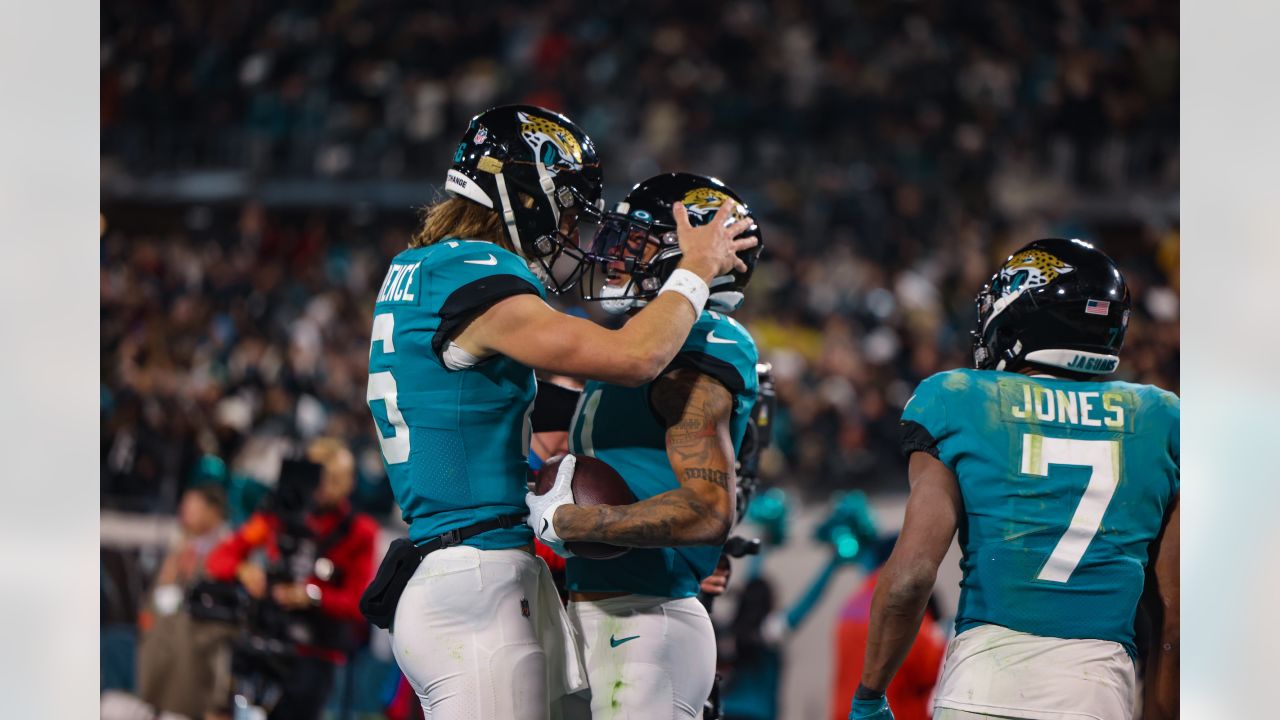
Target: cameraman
(327,594)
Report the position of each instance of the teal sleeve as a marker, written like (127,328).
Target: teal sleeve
(797,612)
(924,421)
(1174,406)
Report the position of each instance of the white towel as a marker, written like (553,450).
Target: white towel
(565,672)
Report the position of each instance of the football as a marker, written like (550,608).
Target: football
(594,483)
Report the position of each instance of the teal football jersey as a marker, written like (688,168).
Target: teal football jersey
(1065,486)
(454,442)
(618,425)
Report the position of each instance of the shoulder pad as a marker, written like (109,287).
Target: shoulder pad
(721,347)
(458,262)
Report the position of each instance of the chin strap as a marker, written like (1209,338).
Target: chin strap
(509,215)
(548,185)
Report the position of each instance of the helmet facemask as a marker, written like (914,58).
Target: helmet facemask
(627,262)
(555,257)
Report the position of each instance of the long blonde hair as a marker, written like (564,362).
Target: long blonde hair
(460,218)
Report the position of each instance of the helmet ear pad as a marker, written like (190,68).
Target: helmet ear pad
(531,222)
(532,219)
(998,348)
(1009,347)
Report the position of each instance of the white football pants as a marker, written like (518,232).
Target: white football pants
(481,635)
(647,658)
(949,714)
(992,671)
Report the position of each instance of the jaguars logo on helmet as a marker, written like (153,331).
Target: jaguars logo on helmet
(1031,268)
(703,202)
(554,146)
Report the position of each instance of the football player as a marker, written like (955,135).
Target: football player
(459,326)
(1064,488)
(647,643)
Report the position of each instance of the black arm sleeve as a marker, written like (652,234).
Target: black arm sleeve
(724,372)
(915,438)
(474,297)
(553,407)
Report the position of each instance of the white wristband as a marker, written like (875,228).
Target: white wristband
(689,285)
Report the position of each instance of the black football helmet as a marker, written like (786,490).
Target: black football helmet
(514,152)
(635,248)
(1055,303)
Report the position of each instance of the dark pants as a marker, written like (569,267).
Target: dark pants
(306,690)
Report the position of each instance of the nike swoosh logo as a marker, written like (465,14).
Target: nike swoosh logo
(711,338)
(544,526)
(491,261)
(616,643)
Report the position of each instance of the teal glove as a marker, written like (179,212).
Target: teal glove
(877,709)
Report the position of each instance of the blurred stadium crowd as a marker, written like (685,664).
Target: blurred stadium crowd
(894,152)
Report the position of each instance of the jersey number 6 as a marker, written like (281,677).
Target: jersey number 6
(382,386)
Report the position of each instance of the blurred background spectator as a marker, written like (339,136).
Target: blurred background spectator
(911,691)
(307,562)
(894,150)
(184,663)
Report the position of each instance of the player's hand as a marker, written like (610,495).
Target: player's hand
(715,584)
(291,596)
(718,581)
(877,709)
(710,250)
(542,508)
(253,579)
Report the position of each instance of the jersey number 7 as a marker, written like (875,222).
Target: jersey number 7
(1102,457)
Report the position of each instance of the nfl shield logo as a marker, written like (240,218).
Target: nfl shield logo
(481,135)
(1098,307)
(524,607)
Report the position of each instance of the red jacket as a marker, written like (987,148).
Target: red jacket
(549,556)
(352,556)
(912,688)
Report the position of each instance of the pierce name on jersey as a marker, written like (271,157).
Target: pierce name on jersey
(1065,486)
(619,426)
(454,442)
(398,285)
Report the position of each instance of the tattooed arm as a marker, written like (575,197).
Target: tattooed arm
(696,410)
